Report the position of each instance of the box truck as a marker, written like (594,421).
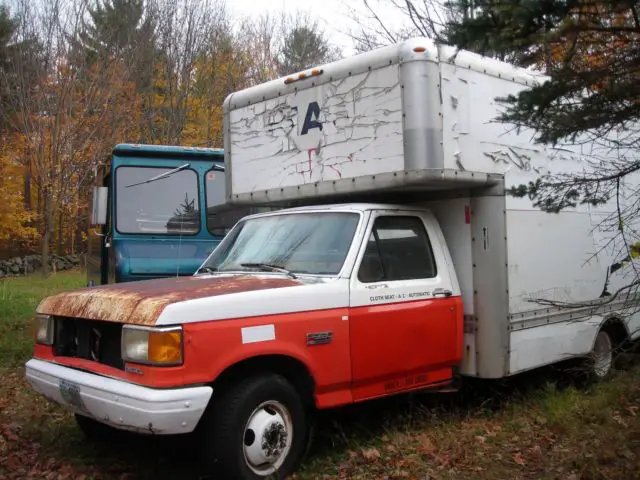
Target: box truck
(400,263)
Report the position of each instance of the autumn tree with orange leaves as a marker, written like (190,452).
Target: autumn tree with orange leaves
(66,126)
(78,77)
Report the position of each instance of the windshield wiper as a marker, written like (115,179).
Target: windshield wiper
(271,268)
(162,175)
(207,270)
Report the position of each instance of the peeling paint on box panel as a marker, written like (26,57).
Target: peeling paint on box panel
(360,129)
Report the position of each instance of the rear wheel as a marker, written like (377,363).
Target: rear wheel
(601,360)
(255,428)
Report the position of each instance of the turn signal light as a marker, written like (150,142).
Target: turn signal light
(152,346)
(165,347)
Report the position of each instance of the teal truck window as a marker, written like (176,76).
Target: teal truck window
(163,206)
(215,188)
(220,217)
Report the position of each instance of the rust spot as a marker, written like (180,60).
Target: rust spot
(142,302)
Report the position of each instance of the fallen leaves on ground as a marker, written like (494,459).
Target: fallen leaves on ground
(21,458)
(576,435)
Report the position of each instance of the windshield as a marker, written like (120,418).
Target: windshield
(312,243)
(168,205)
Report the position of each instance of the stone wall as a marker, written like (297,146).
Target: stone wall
(30,263)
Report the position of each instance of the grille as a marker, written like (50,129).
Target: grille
(88,339)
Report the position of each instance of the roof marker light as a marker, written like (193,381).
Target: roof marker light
(302,75)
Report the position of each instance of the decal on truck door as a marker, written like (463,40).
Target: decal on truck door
(399,296)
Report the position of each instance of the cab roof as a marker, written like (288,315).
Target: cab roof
(339,207)
(357,206)
(141,150)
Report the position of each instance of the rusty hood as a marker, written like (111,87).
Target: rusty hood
(142,302)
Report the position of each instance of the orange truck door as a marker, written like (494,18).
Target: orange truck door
(405,316)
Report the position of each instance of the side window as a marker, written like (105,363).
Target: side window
(219,222)
(398,249)
(220,218)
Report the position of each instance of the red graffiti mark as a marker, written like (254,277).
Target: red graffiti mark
(309,155)
(335,170)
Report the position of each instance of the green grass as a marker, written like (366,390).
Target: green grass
(541,425)
(537,426)
(19,298)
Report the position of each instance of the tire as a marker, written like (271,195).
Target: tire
(601,360)
(254,429)
(94,430)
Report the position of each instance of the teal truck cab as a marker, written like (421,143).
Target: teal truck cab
(157,211)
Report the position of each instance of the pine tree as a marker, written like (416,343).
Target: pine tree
(122,31)
(590,51)
(22,66)
(117,28)
(7,29)
(304,46)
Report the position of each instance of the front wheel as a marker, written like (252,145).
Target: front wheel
(255,428)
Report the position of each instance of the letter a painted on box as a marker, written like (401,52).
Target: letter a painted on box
(312,118)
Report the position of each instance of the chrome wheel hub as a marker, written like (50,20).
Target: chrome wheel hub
(267,438)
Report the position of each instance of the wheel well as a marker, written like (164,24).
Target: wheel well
(293,370)
(616,329)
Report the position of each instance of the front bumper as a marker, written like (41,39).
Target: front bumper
(120,404)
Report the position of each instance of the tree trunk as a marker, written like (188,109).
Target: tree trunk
(47,223)
(59,247)
(39,212)
(77,231)
(27,190)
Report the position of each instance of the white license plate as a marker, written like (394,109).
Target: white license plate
(70,392)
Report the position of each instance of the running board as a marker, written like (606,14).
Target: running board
(448,386)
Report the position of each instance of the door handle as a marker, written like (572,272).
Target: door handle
(441,292)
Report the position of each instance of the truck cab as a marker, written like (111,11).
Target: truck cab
(158,211)
(373,273)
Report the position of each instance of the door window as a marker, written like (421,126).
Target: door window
(398,249)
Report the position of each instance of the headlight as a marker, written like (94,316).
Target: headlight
(152,346)
(43,329)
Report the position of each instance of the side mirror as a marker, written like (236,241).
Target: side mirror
(99,208)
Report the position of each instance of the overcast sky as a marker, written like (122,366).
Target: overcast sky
(332,13)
